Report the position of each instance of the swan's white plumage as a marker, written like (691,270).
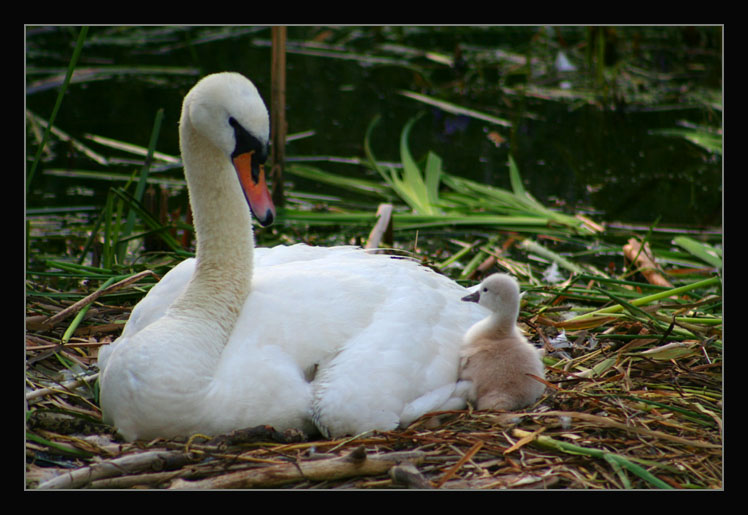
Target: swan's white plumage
(287,336)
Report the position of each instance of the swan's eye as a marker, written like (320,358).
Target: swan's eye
(485,290)
(235,124)
(246,142)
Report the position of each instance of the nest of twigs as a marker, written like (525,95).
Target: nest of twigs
(632,413)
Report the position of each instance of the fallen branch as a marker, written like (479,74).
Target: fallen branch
(151,480)
(356,463)
(130,464)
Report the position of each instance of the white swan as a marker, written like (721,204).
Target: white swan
(496,357)
(293,337)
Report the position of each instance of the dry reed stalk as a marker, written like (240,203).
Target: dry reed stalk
(382,230)
(278,112)
(643,259)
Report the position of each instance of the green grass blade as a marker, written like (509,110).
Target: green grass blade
(514,178)
(433,178)
(142,181)
(351,183)
(412,179)
(509,202)
(111,219)
(619,460)
(370,155)
(702,137)
(704,252)
(631,308)
(107,250)
(82,314)
(68,450)
(58,102)
(79,268)
(673,292)
(324,218)
(131,148)
(147,218)
(535,248)
(409,185)
(455,109)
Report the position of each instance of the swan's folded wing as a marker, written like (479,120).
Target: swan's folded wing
(161,296)
(153,305)
(430,401)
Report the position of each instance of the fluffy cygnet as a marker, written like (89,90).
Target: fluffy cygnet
(496,357)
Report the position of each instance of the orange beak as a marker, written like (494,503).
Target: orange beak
(255,188)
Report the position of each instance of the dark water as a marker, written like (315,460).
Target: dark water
(599,157)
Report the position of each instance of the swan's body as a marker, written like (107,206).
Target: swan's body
(496,357)
(293,337)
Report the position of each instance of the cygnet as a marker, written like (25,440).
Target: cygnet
(495,356)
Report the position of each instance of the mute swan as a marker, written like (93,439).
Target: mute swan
(334,339)
(496,357)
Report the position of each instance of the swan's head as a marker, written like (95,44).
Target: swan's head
(227,110)
(499,293)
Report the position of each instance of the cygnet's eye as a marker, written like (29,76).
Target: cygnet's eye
(485,290)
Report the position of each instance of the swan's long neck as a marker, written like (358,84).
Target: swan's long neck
(225,242)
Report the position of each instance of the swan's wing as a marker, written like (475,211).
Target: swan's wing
(451,396)
(406,328)
(380,332)
(161,296)
(153,305)
(309,301)
(296,254)
(430,401)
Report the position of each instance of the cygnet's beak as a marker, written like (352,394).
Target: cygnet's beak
(252,178)
(473,297)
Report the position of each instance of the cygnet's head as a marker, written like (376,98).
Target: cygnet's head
(499,293)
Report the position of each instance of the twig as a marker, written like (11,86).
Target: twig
(67,385)
(529,437)
(451,472)
(70,310)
